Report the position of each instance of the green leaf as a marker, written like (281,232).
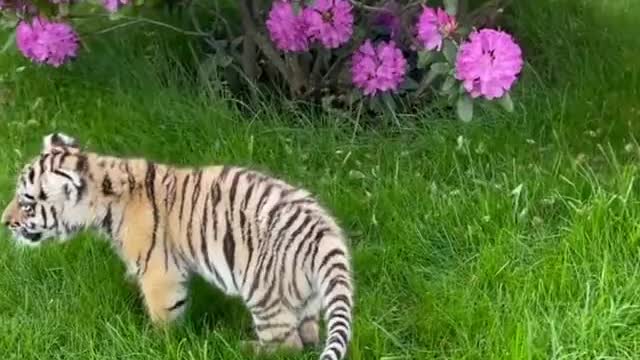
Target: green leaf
(464,108)
(440,68)
(451,6)
(409,84)
(506,102)
(424,58)
(450,50)
(389,102)
(435,70)
(447,86)
(297,7)
(11,40)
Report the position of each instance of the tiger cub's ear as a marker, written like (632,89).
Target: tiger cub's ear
(59,140)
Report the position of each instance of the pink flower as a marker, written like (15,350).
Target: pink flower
(113,5)
(42,41)
(378,69)
(330,22)
(433,26)
(286,29)
(489,63)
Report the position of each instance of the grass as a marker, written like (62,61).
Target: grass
(514,237)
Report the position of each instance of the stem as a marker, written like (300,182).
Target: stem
(249,54)
(265,45)
(360,5)
(136,20)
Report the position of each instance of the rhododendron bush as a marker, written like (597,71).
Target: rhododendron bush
(336,52)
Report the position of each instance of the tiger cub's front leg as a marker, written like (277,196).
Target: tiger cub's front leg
(165,295)
(150,257)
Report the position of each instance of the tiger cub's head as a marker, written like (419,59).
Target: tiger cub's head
(49,200)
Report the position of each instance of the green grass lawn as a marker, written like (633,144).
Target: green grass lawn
(513,237)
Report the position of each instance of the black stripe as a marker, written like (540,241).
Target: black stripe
(42,195)
(337,323)
(338,266)
(174,192)
(280,240)
(319,236)
(150,187)
(266,297)
(116,232)
(301,244)
(247,196)
(280,338)
(81,190)
(43,158)
(340,311)
(52,159)
(339,336)
(44,215)
(203,234)
(177,305)
(264,316)
(331,254)
(64,175)
(338,280)
(54,215)
(182,198)
(336,352)
(229,249)
(262,304)
(130,178)
(224,172)
(263,199)
(174,258)
(194,201)
(107,222)
(82,164)
(32,174)
(233,189)
(339,298)
(339,316)
(268,326)
(292,238)
(249,243)
(107,186)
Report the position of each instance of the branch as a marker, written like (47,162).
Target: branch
(137,20)
(362,6)
(265,45)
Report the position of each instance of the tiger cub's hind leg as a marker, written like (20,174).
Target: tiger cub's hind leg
(309,331)
(309,327)
(276,330)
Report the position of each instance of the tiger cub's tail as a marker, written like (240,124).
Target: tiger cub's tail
(336,289)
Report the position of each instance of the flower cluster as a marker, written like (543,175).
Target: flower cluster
(378,69)
(329,22)
(433,26)
(286,28)
(489,63)
(46,42)
(486,64)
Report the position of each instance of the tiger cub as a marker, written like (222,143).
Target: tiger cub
(251,235)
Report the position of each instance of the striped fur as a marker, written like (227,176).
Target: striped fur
(251,235)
